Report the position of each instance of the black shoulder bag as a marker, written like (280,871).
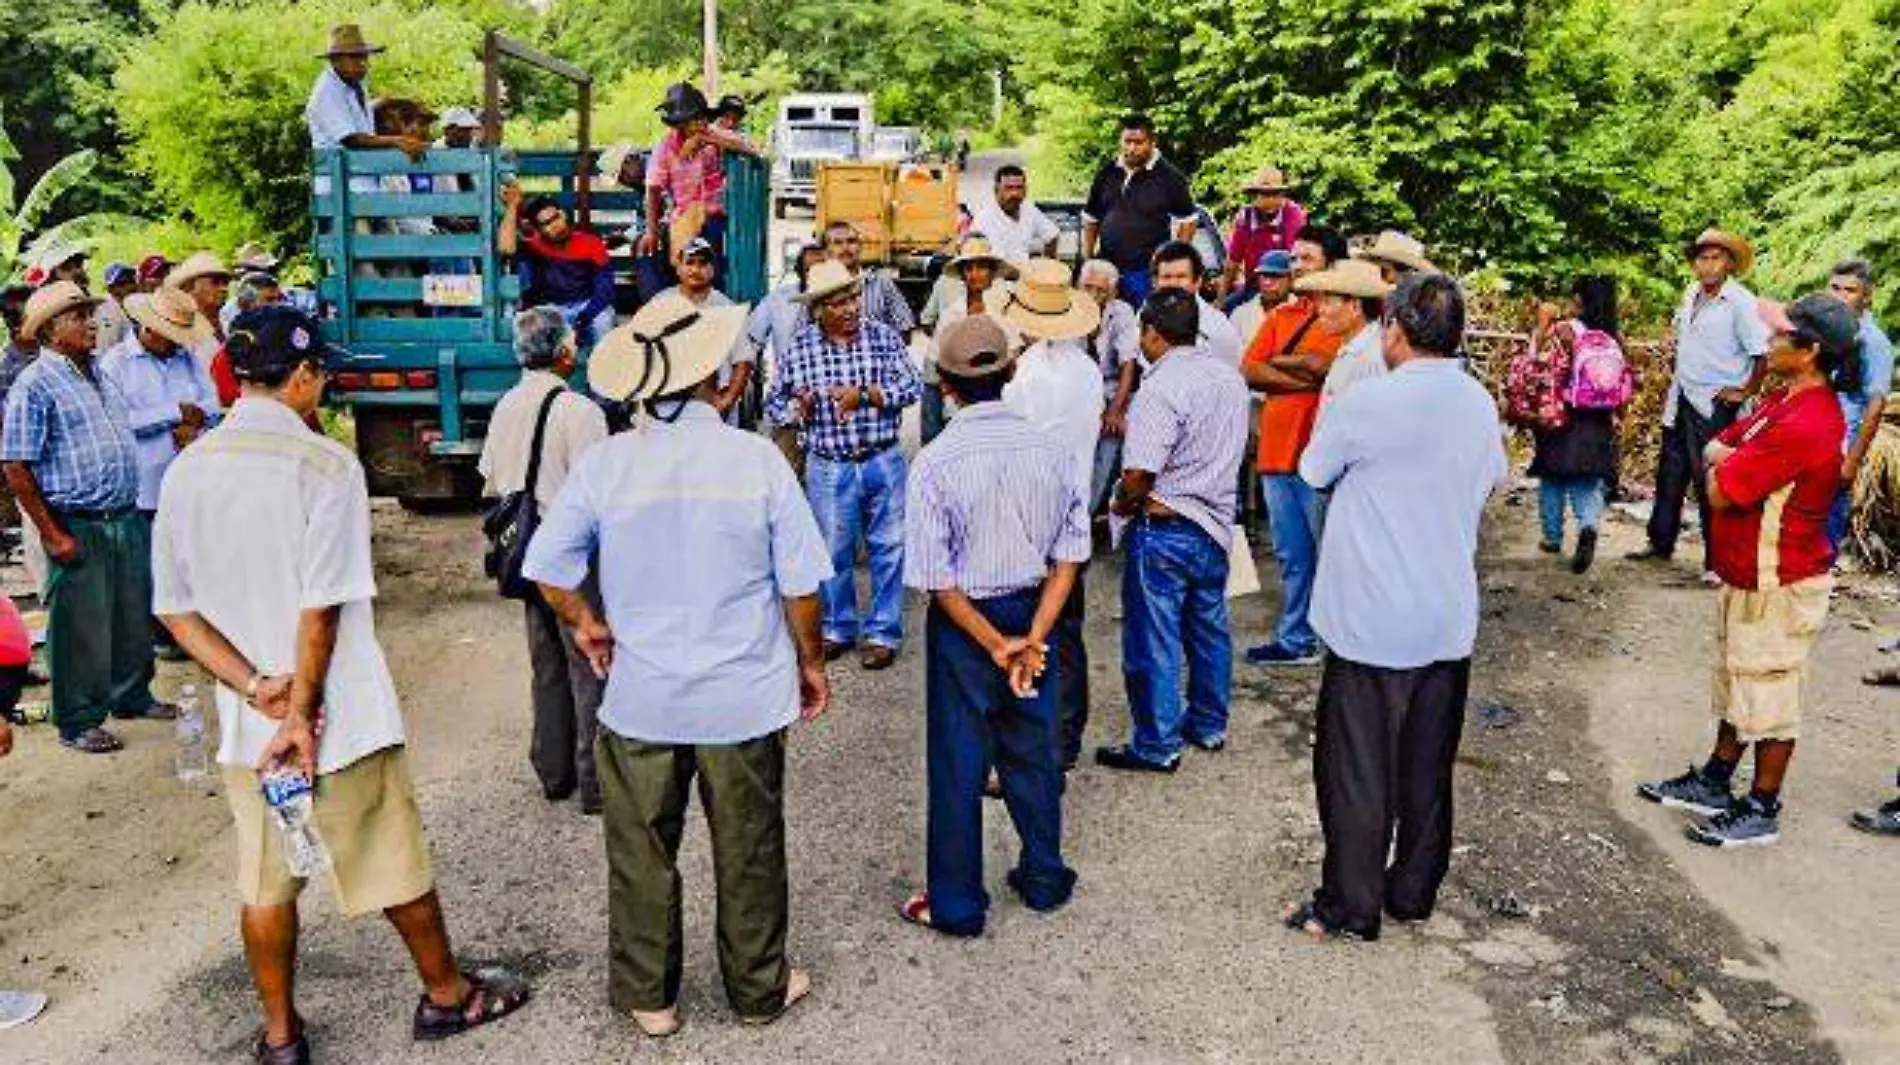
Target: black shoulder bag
(511,522)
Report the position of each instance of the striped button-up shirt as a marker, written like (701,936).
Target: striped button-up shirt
(989,507)
(72,429)
(876,357)
(1188,427)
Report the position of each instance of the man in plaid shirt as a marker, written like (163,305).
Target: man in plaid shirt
(846,382)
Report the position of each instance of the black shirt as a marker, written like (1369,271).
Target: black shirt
(1136,211)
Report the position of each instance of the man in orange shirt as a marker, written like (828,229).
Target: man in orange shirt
(1288,360)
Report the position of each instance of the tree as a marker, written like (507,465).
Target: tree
(23,218)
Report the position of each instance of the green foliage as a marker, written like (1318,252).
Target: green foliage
(1849,211)
(56,82)
(29,215)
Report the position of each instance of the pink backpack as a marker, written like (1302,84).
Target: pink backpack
(1600,377)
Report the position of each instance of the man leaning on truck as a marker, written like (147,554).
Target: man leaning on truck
(338,113)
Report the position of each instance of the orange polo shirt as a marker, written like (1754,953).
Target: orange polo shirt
(1286,418)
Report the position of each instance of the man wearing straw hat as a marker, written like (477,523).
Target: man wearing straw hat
(847,381)
(1271,221)
(204,278)
(73,465)
(1348,300)
(338,112)
(996,529)
(1055,387)
(1720,343)
(1396,254)
(975,282)
(711,650)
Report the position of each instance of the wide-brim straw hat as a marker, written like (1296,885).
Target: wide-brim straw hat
(671,345)
(1348,277)
(49,302)
(253,258)
(1737,246)
(347,39)
(1047,307)
(826,280)
(1399,249)
(195,266)
(976,248)
(1267,179)
(171,314)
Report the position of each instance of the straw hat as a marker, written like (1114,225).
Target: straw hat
(1348,277)
(1267,179)
(976,248)
(826,280)
(253,258)
(1737,246)
(671,345)
(347,39)
(974,346)
(195,266)
(49,302)
(1045,306)
(1399,249)
(612,160)
(171,314)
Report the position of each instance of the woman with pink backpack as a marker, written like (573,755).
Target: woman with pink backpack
(1575,459)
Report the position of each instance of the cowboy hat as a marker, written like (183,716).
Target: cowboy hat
(1267,179)
(826,280)
(171,314)
(460,118)
(1046,307)
(1348,277)
(683,104)
(974,347)
(976,248)
(671,345)
(346,38)
(1737,246)
(612,160)
(50,256)
(195,266)
(253,258)
(1397,249)
(49,302)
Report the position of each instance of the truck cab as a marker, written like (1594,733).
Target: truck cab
(814,129)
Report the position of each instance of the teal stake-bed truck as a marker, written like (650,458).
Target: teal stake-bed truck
(411,286)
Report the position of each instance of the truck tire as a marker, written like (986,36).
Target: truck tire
(396,463)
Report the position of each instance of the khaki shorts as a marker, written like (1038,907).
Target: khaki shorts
(367,816)
(1762,641)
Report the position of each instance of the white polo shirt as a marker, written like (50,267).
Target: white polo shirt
(1017,239)
(257,521)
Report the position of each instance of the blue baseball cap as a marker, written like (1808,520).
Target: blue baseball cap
(120,274)
(1274,264)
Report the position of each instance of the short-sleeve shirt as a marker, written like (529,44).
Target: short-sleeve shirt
(1136,210)
(72,429)
(688,179)
(1287,418)
(817,364)
(1780,485)
(1361,360)
(1256,234)
(1116,343)
(1876,375)
(1054,389)
(1188,427)
(1016,239)
(259,520)
(701,533)
(574,425)
(155,391)
(336,110)
(1718,339)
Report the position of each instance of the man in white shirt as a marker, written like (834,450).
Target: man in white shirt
(1017,229)
(1411,458)
(1057,388)
(697,268)
(1178,265)
(1347,298)
(564,690)
(773,325)
(262,570)
(338,111)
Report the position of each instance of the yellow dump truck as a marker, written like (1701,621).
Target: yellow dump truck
(907,213)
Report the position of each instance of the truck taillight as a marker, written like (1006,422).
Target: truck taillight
(428,435)
(352,382)
(419,379)
(385,381)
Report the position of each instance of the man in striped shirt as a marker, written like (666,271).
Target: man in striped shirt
(996,532)
(1187,432)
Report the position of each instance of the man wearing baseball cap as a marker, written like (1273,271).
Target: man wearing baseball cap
(699,264)
(996,528)
(72,462)
(1272,284)
(265,526)
(113,324)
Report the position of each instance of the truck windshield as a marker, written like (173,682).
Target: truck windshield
(893,144)
(840,141)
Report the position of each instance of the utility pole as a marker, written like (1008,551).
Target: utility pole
(711,26)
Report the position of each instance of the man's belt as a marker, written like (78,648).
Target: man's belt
(861,455)
(112,514)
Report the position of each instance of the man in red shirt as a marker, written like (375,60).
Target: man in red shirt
(1288,360)
(1772,481)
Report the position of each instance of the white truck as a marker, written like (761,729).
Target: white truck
(815,128)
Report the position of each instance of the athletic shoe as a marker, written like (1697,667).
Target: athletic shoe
(1746,823)
(1278,654)
(1210,744)
(1881,821)
(1586,552)
(1550,547)
(1691,791)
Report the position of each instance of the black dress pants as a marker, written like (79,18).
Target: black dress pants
(1680,470)
(1382,761)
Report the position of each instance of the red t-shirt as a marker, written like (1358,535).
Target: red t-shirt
(1780,484)
(16,647)
(224,379)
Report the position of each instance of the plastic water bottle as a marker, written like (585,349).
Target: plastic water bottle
(189,732)
(289,795)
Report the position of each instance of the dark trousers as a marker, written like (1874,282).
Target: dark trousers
(98,625)
(566,696)
(742,789)
(161,636)
(973,721)
(1680,470)
(1071,675)
(1382,761)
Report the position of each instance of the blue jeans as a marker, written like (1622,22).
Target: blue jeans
(1837,516)
(931,415)
(1585,496)
(853,502)
(974,721)
(1108,467)
(1293,522)
(1134,287)
(1174,600)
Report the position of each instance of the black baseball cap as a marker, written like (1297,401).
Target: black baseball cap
(272,339)
(1824,318)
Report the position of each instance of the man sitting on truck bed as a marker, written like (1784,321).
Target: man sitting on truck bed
(560,266)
